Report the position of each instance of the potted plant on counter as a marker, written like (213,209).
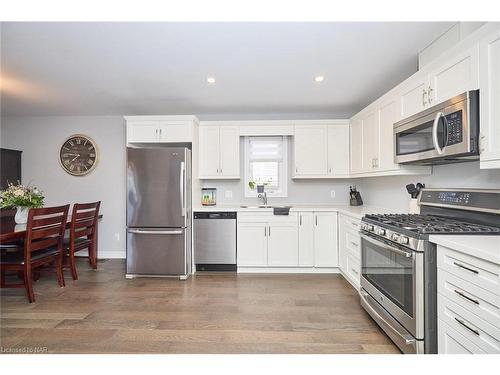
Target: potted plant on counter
(22,198)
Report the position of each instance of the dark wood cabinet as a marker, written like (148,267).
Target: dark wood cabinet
(10,167)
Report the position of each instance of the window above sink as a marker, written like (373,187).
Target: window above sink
(266,163)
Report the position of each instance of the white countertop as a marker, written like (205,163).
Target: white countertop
(484,247)
(354,211)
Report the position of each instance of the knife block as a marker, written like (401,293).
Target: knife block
(356,200)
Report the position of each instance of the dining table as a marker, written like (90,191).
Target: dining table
(10,231)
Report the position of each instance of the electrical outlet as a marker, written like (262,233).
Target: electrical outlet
(332,193)
(117,236)
(228,194)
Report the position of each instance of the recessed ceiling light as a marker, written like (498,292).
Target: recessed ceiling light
(211,80)
(319,78)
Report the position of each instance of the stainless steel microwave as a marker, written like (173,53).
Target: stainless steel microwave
(445,133)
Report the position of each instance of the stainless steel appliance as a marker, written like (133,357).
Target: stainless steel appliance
(398,263)
(158,211)
(215,241)
(445,133)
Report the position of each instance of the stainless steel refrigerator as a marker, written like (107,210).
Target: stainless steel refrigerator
(158,211)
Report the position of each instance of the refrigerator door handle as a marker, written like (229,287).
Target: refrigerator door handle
(142,231)
(182,185)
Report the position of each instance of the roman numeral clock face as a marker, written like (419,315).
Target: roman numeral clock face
(78,155)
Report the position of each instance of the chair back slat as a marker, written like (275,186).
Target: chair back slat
(84,220)
(45,228)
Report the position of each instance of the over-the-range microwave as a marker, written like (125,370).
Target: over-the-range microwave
(445,133)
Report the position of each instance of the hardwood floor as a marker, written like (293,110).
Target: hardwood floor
(103,312)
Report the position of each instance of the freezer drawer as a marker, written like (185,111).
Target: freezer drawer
(158,252)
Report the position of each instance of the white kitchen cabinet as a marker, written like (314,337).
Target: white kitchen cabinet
(321,150)
(282,242)
(160,129)
(338,150)
(311,150)
(370,142)
(306,239)
(325,239)
(451,341)
(229,140)
(413,95)
(350,248)
(489,82)
(453,76)
(252,244)
(356,141)
(219,152)
(387,115)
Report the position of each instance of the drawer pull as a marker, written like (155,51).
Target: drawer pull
(354,243)
(466,268)
(355,224)
(461,294)
(460,321)
(353,270)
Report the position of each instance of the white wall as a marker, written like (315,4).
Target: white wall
(40,139)
(390,192)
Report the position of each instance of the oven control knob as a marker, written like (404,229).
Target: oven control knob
(381,232)
(369,227)
(395,237)
(405,240)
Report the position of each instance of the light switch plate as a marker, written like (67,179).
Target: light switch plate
(228,194)
(332,193)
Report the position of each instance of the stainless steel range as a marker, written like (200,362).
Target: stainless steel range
(398,262)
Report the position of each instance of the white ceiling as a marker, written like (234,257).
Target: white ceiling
(161,68)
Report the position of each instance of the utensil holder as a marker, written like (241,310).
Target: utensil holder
(413,207)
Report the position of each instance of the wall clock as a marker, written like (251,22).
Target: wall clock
(78,155)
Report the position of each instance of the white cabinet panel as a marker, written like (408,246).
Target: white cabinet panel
(490,100)
(414,95)
(306,239)
(338,150)
(325,240)
(209,151)
(175,132)
(356,145)
(387,116)
(143,131)
(370,142)
(283,244)
(252,244)
(452,342)
(455,76)
(310,150)
(229,144)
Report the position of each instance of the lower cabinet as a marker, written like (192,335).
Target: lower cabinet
(350,249)
(305,240)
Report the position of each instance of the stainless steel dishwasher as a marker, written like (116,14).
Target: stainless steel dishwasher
(215,241)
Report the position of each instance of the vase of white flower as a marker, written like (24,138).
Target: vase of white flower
(22,198)
(21,215)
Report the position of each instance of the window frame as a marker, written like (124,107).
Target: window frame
(282,192)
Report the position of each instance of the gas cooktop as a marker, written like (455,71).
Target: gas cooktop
(431,224)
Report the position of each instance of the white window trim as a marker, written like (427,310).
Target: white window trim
(283,192)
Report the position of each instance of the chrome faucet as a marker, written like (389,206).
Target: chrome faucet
(263,196)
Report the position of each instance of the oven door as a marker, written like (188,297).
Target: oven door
(393,276)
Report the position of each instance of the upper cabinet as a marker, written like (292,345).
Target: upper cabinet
(160,129)
(489,82)
(219,152)
(321,150)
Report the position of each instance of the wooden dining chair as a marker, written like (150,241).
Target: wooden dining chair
(43,245)
(82,234)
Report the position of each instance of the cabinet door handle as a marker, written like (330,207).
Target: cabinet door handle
(269,231)
(161,130)
(296,169)
(461,294)
(329,170)
(316,221)
(300,220)
(466,268)
(353,270)
(265,232)
(423,97)
(461,322)
(354,243)
(217,170)
(429,94)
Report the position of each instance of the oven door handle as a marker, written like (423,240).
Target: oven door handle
(435,140)
(406,254)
